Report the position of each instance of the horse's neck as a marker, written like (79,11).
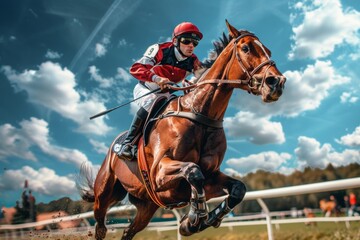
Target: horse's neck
(212,99)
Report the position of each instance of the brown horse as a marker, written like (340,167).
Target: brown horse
(184,152)
(329,207)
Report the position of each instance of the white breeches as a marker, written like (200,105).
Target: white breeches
(141,90)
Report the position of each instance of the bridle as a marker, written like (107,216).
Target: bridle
(251,81)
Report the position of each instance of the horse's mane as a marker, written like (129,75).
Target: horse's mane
(219,46)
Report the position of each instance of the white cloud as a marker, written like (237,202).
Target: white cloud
(77,22)
(100,50)
(232,172)
(352,139)
(122,42)
(4,39)
(123,75)
(99,147)
(258,130)
(268,161)
(17,142)
(324,26)
(355,56)
(310,153)
(104,82)
(14,143)
(52,54)
(54,88)
(347,97)
(304,91)
(43,181)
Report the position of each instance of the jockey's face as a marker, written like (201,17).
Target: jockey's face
(187,45)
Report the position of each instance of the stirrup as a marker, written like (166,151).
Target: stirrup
(130,153)
(126,152)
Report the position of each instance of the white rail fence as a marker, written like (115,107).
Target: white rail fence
(265,217)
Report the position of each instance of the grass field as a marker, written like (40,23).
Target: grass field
(296,231)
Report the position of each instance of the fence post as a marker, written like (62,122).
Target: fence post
(268,218)
(178,218)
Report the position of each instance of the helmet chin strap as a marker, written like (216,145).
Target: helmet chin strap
(177,45)
(178,48)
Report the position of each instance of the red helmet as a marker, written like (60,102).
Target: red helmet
(187,28)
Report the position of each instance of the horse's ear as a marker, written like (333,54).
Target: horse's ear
(233,31)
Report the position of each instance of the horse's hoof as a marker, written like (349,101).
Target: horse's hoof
(126,235)
(186,229)
(100,232)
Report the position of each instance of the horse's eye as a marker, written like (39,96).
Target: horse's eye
(245,48)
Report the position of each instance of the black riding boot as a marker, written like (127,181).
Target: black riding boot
(126,152)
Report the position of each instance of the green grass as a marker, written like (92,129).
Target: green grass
(296,231)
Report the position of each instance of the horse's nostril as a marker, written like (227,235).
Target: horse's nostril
(271,81)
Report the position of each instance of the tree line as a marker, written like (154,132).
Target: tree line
(259,180)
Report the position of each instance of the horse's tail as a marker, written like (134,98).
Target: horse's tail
(85,182)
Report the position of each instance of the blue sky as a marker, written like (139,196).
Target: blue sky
(64,61)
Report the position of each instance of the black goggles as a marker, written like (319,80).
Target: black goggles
(187,41)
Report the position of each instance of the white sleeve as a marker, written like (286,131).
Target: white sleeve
(152,51)
(149,55)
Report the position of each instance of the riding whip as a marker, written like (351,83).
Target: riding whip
(114,108)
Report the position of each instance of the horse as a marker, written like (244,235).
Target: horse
(187,144)
(309,214)
(328,207)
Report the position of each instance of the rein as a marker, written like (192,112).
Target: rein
(228,81)
(250,81)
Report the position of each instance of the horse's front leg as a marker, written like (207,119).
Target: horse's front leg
(145,211)
(172,170)
(214,187)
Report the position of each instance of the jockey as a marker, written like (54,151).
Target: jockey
(162,63)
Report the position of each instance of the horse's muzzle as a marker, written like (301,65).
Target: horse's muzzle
(274,88)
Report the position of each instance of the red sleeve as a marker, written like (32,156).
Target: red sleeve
(142,72)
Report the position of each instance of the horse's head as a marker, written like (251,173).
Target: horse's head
(253,63)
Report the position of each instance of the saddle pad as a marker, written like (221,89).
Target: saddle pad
(118,141)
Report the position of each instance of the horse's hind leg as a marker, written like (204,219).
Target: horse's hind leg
(145,211)
(108,190)
(214,187)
